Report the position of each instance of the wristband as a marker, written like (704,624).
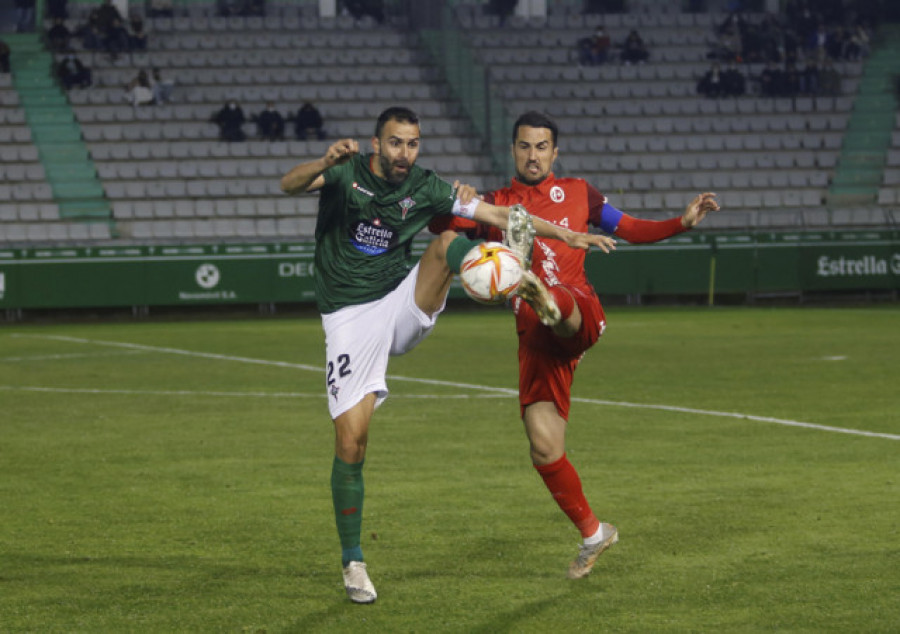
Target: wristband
(465,211)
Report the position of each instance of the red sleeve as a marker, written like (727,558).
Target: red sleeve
(637,230)
(449,222)
(596,200)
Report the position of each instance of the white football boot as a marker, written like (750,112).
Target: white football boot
(520,234)
(588,553)
(357,583)
(533,291)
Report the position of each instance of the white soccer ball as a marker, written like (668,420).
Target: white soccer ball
(490,273)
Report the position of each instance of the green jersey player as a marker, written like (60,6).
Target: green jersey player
(375,301)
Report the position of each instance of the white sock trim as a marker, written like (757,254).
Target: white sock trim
(597,537)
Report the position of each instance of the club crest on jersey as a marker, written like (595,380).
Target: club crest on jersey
(362,189)
(557,194)
(405,205)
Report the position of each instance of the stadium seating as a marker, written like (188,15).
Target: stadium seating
(639,132)
(620,123)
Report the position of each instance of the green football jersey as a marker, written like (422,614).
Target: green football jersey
(365,228)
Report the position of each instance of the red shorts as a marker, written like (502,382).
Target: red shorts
(547,362)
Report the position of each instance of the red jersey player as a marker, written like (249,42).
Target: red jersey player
(561,316)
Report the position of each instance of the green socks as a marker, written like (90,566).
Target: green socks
(347,492)
(457,251)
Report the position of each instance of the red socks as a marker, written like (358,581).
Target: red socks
(564,484)
(564,300)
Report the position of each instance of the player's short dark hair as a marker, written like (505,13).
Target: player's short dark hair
(535,119)
(395,113)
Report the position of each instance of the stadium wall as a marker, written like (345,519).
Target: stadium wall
(222,274)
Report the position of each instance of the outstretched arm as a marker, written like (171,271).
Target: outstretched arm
(698,208)
(637,230)
(498,216)
(307,176)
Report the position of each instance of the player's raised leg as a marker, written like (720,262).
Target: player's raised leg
(520,234)
(437,266)
(533,291)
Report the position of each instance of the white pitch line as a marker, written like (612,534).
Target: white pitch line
(78,390)
(470,386)
(60,357)
(738,415)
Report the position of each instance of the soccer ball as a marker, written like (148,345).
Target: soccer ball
(490,273)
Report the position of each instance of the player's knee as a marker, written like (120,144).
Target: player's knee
(444,240)
(351,449)
(543,455)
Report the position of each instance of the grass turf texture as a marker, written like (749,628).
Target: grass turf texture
(195,496)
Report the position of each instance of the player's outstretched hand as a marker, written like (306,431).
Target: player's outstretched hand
(341,151)
(587,240)
(465,193)
(698,208)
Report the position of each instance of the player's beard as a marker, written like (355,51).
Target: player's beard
(391,175)
(529,179)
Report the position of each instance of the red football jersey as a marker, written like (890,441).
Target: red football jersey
(566,202)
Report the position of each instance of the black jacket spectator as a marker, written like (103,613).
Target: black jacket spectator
(230,120)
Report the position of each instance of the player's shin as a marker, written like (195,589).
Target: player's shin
(564,485)
(347,491)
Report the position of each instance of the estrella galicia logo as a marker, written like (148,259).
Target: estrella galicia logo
(207,276)
(372,238)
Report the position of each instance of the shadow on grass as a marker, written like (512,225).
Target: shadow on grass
(516,619)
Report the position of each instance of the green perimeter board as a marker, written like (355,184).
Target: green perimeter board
(137,276)
(764,262)
(272,273)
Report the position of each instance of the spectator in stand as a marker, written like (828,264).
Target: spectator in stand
(730,34)
(117,39)
(308,122)
(230,120)
(24,15)
(137,40)
(4,57)
(859,45)
(72,72)
(818,43)
(162,89)
(92,36)
(583,51)
(58,36)
(501,8)
(634,51)
(138,91)
(57,9)
(734,84)
(771,37)
(791,84)
(600,45)
(712,84)
(809,78)
(106,13)
(270,124)
(770,81)
(829,80)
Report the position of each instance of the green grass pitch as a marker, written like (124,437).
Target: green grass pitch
(174,477)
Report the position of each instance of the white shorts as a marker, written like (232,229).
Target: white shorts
(359,339)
